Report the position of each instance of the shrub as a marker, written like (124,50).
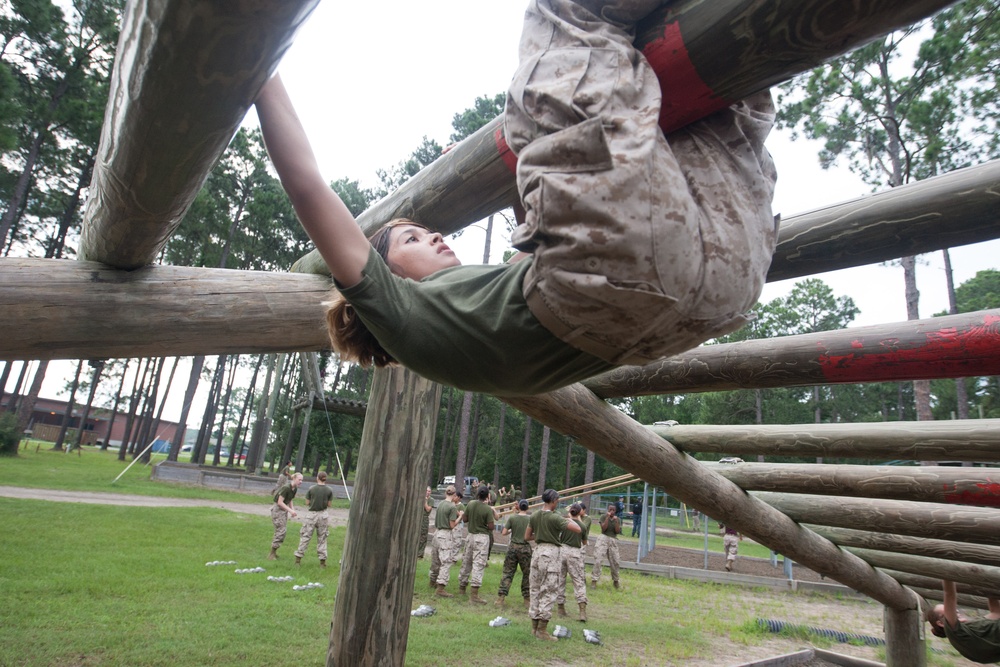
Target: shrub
(9,437)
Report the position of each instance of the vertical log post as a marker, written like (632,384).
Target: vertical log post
(371,617)
(904,638)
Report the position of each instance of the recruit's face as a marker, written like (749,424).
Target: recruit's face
(415,252)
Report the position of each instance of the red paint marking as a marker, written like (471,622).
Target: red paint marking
(989,496)
(943,353)
(506,154)
(686,98)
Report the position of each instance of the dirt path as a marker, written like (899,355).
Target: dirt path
(338,517)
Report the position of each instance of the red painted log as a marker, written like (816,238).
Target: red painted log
(956,346)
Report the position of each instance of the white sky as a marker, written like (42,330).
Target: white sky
(370,80)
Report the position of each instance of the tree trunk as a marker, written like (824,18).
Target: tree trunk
(197,363)
(26,406)
(524,455)
(58,243)
(961,395)
(146,433)
(217,455)
(499,446)
(3,380)
(463,443)
(114,410)
(133,405)
(569,461)
(12,403)
(163,401)
(444,436)
(236,448)
(95,380)
(68,416)
(543,459)
(21,186)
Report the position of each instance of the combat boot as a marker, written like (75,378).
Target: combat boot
(273,555)
(298,560)
(583,612)
(543,633)
(527,603)
(562,610)
(534,625)
(322,563)
(501,601)
(618,585)
(442,593)
(434,583)
(475,596)
(461,589)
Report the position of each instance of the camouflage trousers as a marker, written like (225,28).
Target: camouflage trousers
(320,523)
(730,544)
(517,555)
(477,552)
(573,567)
(442,556)
(644,245)
(544,578)
(607,548)
(279,518)
(422,542)
(458,541)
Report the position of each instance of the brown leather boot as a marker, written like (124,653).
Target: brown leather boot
(475,596)
(322,563)
(583,612)
(501,601)
(442,593)
(534,625)
(461,589)
(298,560)
(543,633)
(618,585)
(434,584)
(562,610)
(273,555)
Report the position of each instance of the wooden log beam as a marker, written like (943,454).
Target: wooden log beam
(981,554)
(371,615)
(185,73)
(706,57)
(932,585)
(959,440)
(904,638)
(964,600)
(947,522)
(58,309)
(341,406)
(576,412)
(978,487)
(983,575)
(946,211)
(963,345)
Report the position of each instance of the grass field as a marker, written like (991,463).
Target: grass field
(87,585)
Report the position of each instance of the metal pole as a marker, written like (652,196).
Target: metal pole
(705,529)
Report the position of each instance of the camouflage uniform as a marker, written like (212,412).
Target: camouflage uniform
(518,554)
(644,246)
(279,517)
(477,544)
(730,545)
(545,563)
(571,557)
(319,497)
(607,547)
(424,528)
(443,550)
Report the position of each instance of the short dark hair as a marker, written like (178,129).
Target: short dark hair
(522,505)
(550,496)
(574,509)
(483,492)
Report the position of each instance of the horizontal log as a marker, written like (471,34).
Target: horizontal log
(706,56)
(956,440)
(965,345)
(931,587)
(946,211)
(978,487)
(984,575)
(185,73)
(982,554)
(600,427)
(59,309)
(947,522)
(965,600)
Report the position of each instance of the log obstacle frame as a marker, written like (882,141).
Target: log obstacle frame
(125,228)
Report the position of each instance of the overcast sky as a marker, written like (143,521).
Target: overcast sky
(369,80)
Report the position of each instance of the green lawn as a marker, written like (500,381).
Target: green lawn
(87,585)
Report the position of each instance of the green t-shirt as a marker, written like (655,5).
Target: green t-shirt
(480,518)
(516,525)
(468,327)
(612,527)
(319,496)
(569,538)
(978,640)
(287,492)
(546,526)
(446,513)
